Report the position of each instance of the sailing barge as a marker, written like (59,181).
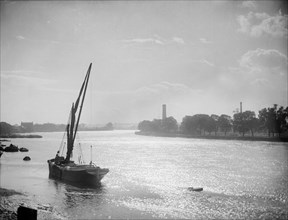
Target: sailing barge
(64,169)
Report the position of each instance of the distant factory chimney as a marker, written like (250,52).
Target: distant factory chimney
(163,112)
(240,107)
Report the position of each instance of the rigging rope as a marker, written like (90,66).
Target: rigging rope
(62,145)
(81,160)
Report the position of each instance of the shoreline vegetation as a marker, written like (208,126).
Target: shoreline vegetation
(16,131)
(213,137)
(270,125)
(30,127)
(20,136)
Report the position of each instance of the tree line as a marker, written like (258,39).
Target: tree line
(6,128)
(271,120)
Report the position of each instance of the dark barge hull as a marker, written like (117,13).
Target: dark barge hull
(82,175)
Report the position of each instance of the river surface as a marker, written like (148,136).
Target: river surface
(149,177)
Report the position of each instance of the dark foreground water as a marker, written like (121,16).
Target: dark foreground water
(149,177)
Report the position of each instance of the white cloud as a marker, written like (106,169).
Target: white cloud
(144,41)
(19,37)
(249,4)
(154,40)
(26,78)
(203,61)
(260,78)
(257,24)
(178,40)
(261,58)
(163,88)
(262,82)
(205,41)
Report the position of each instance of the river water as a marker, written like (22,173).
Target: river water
(149,177)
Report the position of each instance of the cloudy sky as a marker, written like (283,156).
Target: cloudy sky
(194,56)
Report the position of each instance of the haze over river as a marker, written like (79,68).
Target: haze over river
(149,177)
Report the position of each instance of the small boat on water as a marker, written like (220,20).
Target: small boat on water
(64,169)
(197,189)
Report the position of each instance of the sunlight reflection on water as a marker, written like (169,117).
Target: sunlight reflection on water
(149,177)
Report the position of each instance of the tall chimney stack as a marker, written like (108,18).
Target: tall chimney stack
(240,107)
(163,112)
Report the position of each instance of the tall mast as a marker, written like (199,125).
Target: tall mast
(72,129)
(82,101)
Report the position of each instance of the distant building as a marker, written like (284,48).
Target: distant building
(27,126)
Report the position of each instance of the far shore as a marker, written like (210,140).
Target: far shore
(213,137)
(20,136)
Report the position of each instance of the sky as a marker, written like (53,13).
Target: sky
(194,56)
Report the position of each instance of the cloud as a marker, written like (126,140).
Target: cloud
(25,78)
(262,82)
(163,88)
(261,58)
(203,61)
(143,41)
(258,24)
(155,40)
(19,37)
(205,41)
(260,78)
(178,40)
(249,4)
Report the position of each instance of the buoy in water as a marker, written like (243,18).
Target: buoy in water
(23,149)
(26,158)
(197,189)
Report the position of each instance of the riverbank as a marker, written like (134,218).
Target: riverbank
(5,211)
(213,137)
(20,136)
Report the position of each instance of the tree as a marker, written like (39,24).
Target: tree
(109,126)
(145,125)
(200,122)
(225,123)
(238,124)
(156,125)
(197,124)
(263,120)
(281,120)
(216,119)
(150,126)
(210,124)
(170,125)
(273,120)
(253,124)
(244,122)
(6,128)
(187,126)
